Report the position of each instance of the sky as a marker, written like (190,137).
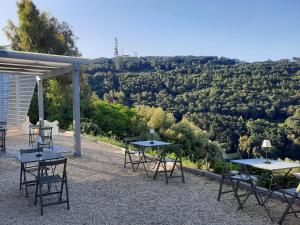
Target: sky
(253,30)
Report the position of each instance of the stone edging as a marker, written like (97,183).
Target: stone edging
(217,177)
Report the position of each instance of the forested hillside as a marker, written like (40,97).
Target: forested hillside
(235,102)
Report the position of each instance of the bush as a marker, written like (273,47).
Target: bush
(196,145)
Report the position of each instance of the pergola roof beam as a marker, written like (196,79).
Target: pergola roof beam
(43,57)
(20,69)
(58,71)
(18,65)
(20,73)
(31,62)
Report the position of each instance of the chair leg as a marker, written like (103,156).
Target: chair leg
(21,178)
(145,160)
(130,159)
(220,188)
(157,169)
(36,193)
(25,180)
(286,211)
(41,199)
(125,159)
(253,187)
(166,173)
(173,167)
(61,191)
(67,194)
(236,195)
(182,174)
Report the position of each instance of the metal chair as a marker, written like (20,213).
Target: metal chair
(45,133)
(55,179)
(46,136)
(28,169)
(2,138)
(234,178)
(163,159)
(129,153)
(290,195)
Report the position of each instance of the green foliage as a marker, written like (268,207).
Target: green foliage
(112,118)
(39,32)
(196,145)
(155,118)
(233,101)
(219,165)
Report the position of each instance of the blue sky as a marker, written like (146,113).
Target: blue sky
(248,30)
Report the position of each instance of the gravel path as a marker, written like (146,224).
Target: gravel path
(103,192)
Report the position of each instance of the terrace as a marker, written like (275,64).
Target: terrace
(103,192)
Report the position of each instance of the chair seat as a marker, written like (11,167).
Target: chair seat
(297,175)
(244,177)
(135,152)
(291,191)
(170,160)
(31,169)
(50,179)
(233,172)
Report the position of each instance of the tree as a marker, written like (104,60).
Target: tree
(39,32)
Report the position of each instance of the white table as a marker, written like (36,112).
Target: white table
(274,167)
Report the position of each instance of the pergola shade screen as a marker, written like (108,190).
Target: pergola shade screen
(4,84)
(19,73)
(18,91)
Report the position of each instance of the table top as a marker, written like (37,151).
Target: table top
(273,166)
(39,127)
(32,157)
(150,143)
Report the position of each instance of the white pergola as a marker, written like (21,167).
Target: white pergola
(27,68)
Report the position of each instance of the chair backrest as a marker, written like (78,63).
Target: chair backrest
(30,150)
(127,140)
(227,156)
(2,132)
(45,132)
(54,163)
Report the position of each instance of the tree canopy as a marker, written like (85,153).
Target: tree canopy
(236,102)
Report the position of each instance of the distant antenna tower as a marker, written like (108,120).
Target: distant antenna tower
(116,50)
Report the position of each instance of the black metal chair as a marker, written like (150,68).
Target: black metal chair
(28,169)
(129,153)
(45,133)
(55,179)
(2,138)
(290,195)
(163,160)
(46,136)
(234,179)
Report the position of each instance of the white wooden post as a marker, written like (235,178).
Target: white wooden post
(76,109)
(40,100)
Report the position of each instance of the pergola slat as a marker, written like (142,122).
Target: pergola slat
(18,65)
(20,73)
(20,69)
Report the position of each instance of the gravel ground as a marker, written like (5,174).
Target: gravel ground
(103,192)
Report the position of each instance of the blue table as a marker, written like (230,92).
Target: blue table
(148,144)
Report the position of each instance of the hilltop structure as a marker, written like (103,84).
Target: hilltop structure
(116,48)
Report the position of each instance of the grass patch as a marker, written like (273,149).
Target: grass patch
(106,139)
